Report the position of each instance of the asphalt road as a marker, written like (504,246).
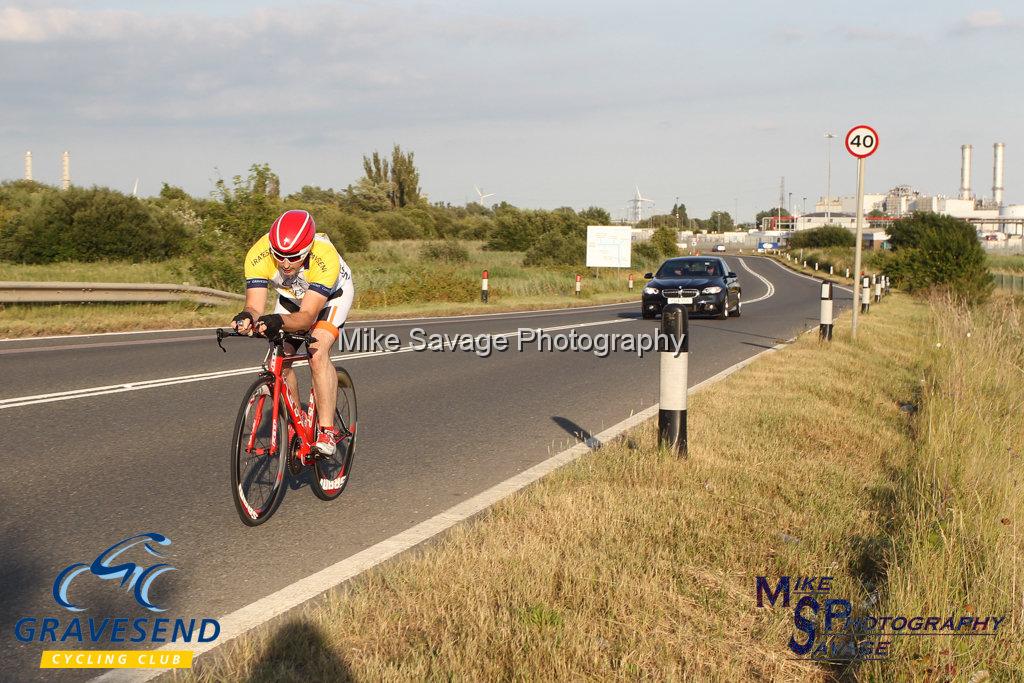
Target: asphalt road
(84,470)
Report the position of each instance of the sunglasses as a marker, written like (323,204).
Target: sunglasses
(288,259)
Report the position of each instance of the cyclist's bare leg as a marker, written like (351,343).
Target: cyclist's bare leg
(291,379)
(325,377)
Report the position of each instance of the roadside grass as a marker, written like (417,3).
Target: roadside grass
(631,563)
(959,548)
(392,280)
(1002,263)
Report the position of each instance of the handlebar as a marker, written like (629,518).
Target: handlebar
(282,337)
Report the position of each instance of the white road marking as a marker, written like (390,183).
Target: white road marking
(807,277)
(762,278)
(88,392)
(497,315)
(245,619)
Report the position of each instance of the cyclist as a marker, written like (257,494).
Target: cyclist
(315,290)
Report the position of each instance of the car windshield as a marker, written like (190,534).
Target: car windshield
(690,268)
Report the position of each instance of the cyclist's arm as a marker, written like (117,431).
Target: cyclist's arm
(312,304)
(256,301)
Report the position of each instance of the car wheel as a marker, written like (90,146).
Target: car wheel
(739,307)
(646,315)
(724,313)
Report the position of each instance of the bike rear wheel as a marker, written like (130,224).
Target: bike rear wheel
(330,474)
(259,454)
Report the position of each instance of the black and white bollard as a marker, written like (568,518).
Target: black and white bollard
(672,402)
(579,284)
(847,273)
(483,287)
(865,294)
(631,282)
(878,290)
(831,270)
(825,328)
(888,285)
(815,265)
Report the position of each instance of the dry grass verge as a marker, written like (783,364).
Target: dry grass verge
(631,563)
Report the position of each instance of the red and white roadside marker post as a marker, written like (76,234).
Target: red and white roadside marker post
(579,284)
(878,288)
(865,295)
(861,142)
(483,287)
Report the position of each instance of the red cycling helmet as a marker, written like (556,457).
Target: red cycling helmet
(291,235)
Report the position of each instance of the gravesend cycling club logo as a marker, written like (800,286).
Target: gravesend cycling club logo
(132,575)
(133,565)
(828,628)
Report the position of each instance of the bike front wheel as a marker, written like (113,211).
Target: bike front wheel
(330,474)
(259,454)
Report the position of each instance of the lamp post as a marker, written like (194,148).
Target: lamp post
(828,180)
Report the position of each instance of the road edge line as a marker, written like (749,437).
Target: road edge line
(257,613)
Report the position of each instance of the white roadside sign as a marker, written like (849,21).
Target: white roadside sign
(609,246)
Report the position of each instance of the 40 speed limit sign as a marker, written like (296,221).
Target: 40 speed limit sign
(862,141)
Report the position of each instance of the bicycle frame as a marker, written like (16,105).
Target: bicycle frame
(275,364)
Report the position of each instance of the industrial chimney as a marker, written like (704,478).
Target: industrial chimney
(65,170)
(997,174)
(28,165)
(965,172)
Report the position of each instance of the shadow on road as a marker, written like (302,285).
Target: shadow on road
(298,651)
(577,432)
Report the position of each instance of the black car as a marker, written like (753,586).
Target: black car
(704,283)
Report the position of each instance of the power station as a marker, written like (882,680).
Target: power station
(991,217)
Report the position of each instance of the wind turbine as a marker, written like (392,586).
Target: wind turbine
(638,204)
(481,195)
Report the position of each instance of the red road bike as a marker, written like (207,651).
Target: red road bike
(274,434)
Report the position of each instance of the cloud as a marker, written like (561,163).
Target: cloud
(985,21)
(358,62)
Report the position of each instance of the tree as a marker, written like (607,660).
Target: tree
(399,179)
(720,221)
(825,236)
(172,192)
(664,238)
(933,251)
(595,215)
(679,211)
(405,178)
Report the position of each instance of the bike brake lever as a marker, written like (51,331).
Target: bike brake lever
(220,337)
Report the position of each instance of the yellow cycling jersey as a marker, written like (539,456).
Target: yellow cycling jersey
(323,271)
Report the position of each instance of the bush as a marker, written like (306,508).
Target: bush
(350,232)
(91,225)
(938,252)
(396,226)
(556,248)
(473,228)
(448,251)
(645,254)
(664,240)
(825,236)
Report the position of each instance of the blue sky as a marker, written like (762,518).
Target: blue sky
(546,104)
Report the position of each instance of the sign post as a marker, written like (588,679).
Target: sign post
(861,142)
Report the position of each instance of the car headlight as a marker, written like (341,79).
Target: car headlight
(651,290)
(714,289)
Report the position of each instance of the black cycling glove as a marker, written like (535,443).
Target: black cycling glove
(242,317)
(273,323)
